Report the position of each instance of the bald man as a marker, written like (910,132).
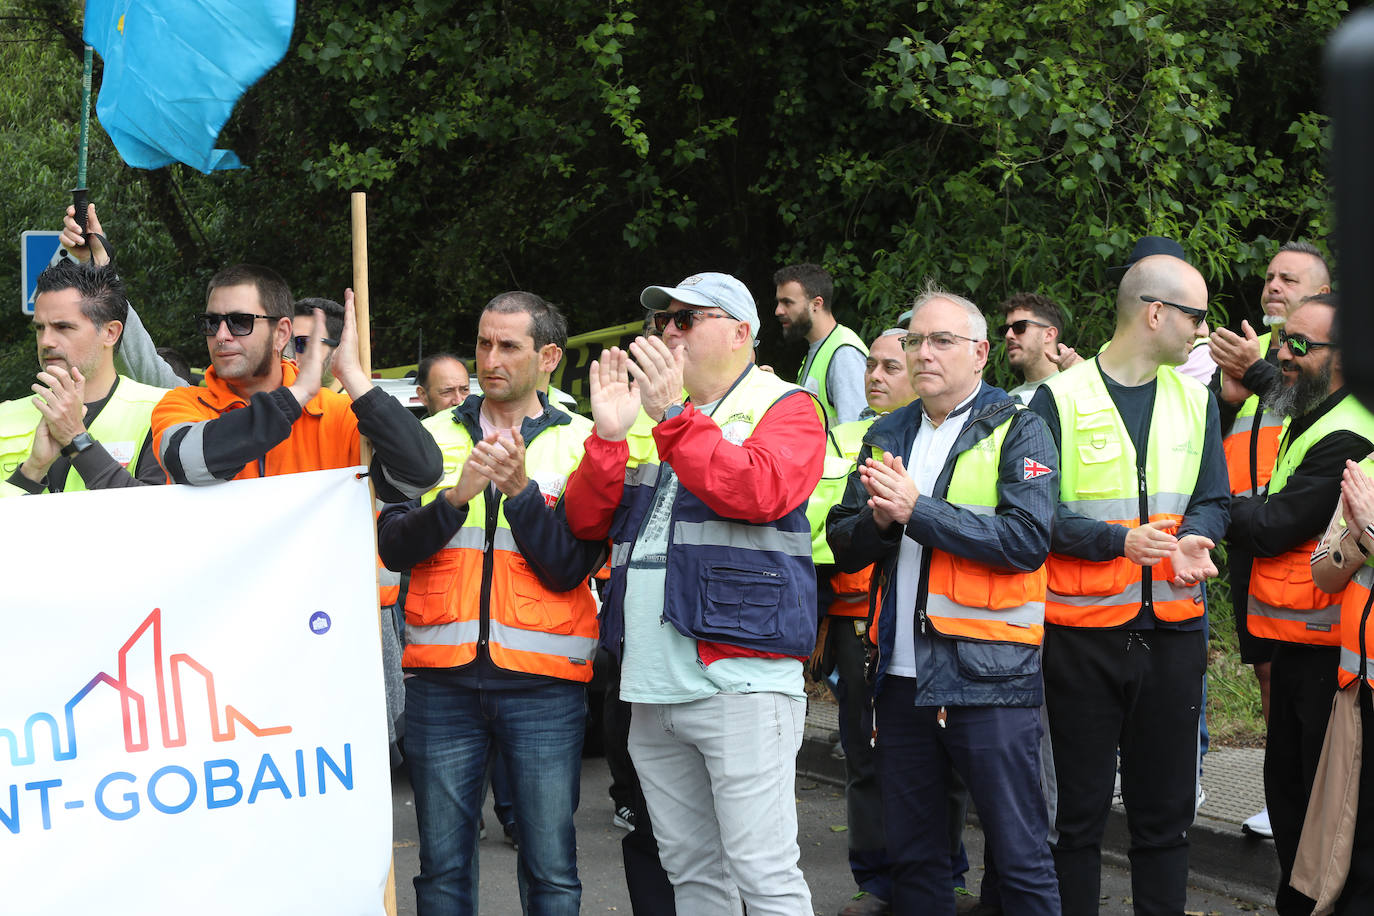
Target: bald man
(1143,500)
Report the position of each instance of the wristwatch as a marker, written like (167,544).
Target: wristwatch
(673,410)
(80,442)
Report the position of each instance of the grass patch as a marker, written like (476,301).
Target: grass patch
(1234,716)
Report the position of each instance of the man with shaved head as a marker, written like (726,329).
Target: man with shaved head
(1143,500)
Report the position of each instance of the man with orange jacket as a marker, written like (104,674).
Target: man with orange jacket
(260,415)
(1280,528)
(952,499)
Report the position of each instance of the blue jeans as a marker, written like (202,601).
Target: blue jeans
(538,731)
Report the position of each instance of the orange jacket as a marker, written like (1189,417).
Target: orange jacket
(324,436)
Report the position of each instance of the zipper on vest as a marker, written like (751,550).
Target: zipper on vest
(488,561)
(1146,590)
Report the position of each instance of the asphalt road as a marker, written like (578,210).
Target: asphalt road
(820,812)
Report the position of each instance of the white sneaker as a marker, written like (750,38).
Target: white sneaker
(1202,799)
(1258,825)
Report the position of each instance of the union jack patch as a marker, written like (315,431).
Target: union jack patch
(1032,468)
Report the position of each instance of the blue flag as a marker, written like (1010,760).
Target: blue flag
(174,70)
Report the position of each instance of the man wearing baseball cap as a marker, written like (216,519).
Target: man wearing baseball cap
(712,632)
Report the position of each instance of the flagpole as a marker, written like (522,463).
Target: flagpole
(79,197)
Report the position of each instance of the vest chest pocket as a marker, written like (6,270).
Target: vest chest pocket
(742,602)
(1098,442)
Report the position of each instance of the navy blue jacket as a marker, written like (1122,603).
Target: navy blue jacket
(957,672)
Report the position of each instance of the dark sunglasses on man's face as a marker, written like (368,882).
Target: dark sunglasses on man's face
(1197,316)
(1299,345)
(1019,326)
(684,319)
(302,341)
(240,323)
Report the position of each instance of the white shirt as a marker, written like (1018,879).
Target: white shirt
(929,452)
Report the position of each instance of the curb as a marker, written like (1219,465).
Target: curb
(1220,857)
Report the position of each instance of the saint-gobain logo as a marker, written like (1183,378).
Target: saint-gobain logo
(320,623)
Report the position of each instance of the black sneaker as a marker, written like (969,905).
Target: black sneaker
(624,818)
(511,839)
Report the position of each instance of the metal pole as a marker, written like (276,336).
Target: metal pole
(79,199)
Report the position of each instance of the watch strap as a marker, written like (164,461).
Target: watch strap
(80,442)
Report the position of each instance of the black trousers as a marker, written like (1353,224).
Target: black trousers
(864,803)
(1137,690)
(1302,683)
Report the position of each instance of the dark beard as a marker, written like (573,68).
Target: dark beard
(1302,396)
(798,329)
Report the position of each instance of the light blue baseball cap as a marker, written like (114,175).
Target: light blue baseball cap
(708,290)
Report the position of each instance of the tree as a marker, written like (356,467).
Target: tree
(587,149)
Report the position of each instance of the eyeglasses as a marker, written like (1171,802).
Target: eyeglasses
(1018,327)
(684,319)
(940,340)
(1198,316)
(302,341)
(240,323)
(1300,344)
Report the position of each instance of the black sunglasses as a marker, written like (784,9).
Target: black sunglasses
(684,319)
(240,323)
(1300,344)
(1018,327)
(1197,315)
(302,341)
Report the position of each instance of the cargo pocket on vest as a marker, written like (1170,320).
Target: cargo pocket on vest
(536,608)
(428,599)
(742,602)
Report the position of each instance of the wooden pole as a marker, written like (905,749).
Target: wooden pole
(362,313)
(361,304)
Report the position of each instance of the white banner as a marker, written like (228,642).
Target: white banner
(192,717)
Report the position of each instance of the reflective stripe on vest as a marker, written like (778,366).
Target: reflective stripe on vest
(388,586)
(735,536)
(966,599)
(530,629)
(1246,437)
(819,368)
(1285,603)
(1355,619)
(851,593)
(1099,480)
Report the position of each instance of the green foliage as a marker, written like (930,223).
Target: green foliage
(1066,130)
(586,149)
